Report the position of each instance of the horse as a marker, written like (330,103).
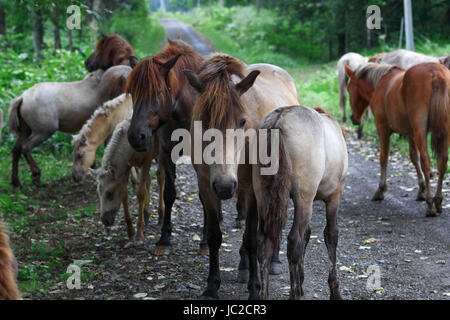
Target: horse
(112,180)
(48,107)
(405,58)
(8,269)
(232,96)
(96,131)
(313,162)
(377,57)
(409,102)
(111,50)
(354,60)
(162,102)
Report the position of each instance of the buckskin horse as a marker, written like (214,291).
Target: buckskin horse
(48,107)
(230,98)
(410,102)
(313,163)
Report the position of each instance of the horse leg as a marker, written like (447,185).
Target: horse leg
(204,241)
(214,236)
(296,244)
(160,177)
(331,235)
(32,141)
(148,182)
(385,135)
(413,154)
(420,139)
(16,154)
(142,195)
(126,213)
(250,244)
(275,263)
(134,178)
(169,198)
(241,213)
(442,167)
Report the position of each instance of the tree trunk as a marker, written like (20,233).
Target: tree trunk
(2,22)
(258,6)
(69,34)
(56,26)
(330,48)
(38,30)
(368,40)
(341,44)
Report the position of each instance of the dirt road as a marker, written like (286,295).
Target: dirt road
(411,251)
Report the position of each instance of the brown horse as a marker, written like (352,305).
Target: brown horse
(111,50)
(231,99)
(162,102)
(8,269)
(411,103)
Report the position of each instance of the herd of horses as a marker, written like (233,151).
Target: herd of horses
(137,105)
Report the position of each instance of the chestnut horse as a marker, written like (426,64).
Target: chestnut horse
(162,102)
(8,269)
(231,99)
(411,103)
(111,50)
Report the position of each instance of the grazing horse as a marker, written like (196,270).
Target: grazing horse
(162,102)
(8,269)
(312,166)
(230,98)
(111,50)
(410,102)
(96,131)
(48,107)
(353,60)
(113,175)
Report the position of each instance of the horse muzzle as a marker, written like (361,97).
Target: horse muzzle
(354,121)
(225,191)
(77,176)
(140,141)
(108,218)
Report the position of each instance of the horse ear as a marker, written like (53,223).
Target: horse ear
(169,41)
(169,64)
(133,61)
(194,80)
(350,73)
(247,82)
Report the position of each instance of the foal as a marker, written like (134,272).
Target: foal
(411,103)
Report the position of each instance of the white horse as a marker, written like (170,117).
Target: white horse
(312,166)
(351,59)
(406,59)
(58,106)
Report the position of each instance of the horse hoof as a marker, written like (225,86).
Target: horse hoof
(243,276)
(420,197)
(146,217)
(378,196)
(209,296)
(275,268)
(336,296)
(437,201)
(204,249)
(254,296)
(431,213)
(162,250)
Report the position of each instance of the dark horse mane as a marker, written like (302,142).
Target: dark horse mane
(219,104)
(114,49)
(147,82)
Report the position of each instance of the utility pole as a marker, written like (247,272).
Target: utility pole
(162,4)
(409,35)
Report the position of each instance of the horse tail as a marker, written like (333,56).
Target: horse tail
(276,190)
(438,118)
(342,86)
(8,265)
(13,114)
(117,88)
